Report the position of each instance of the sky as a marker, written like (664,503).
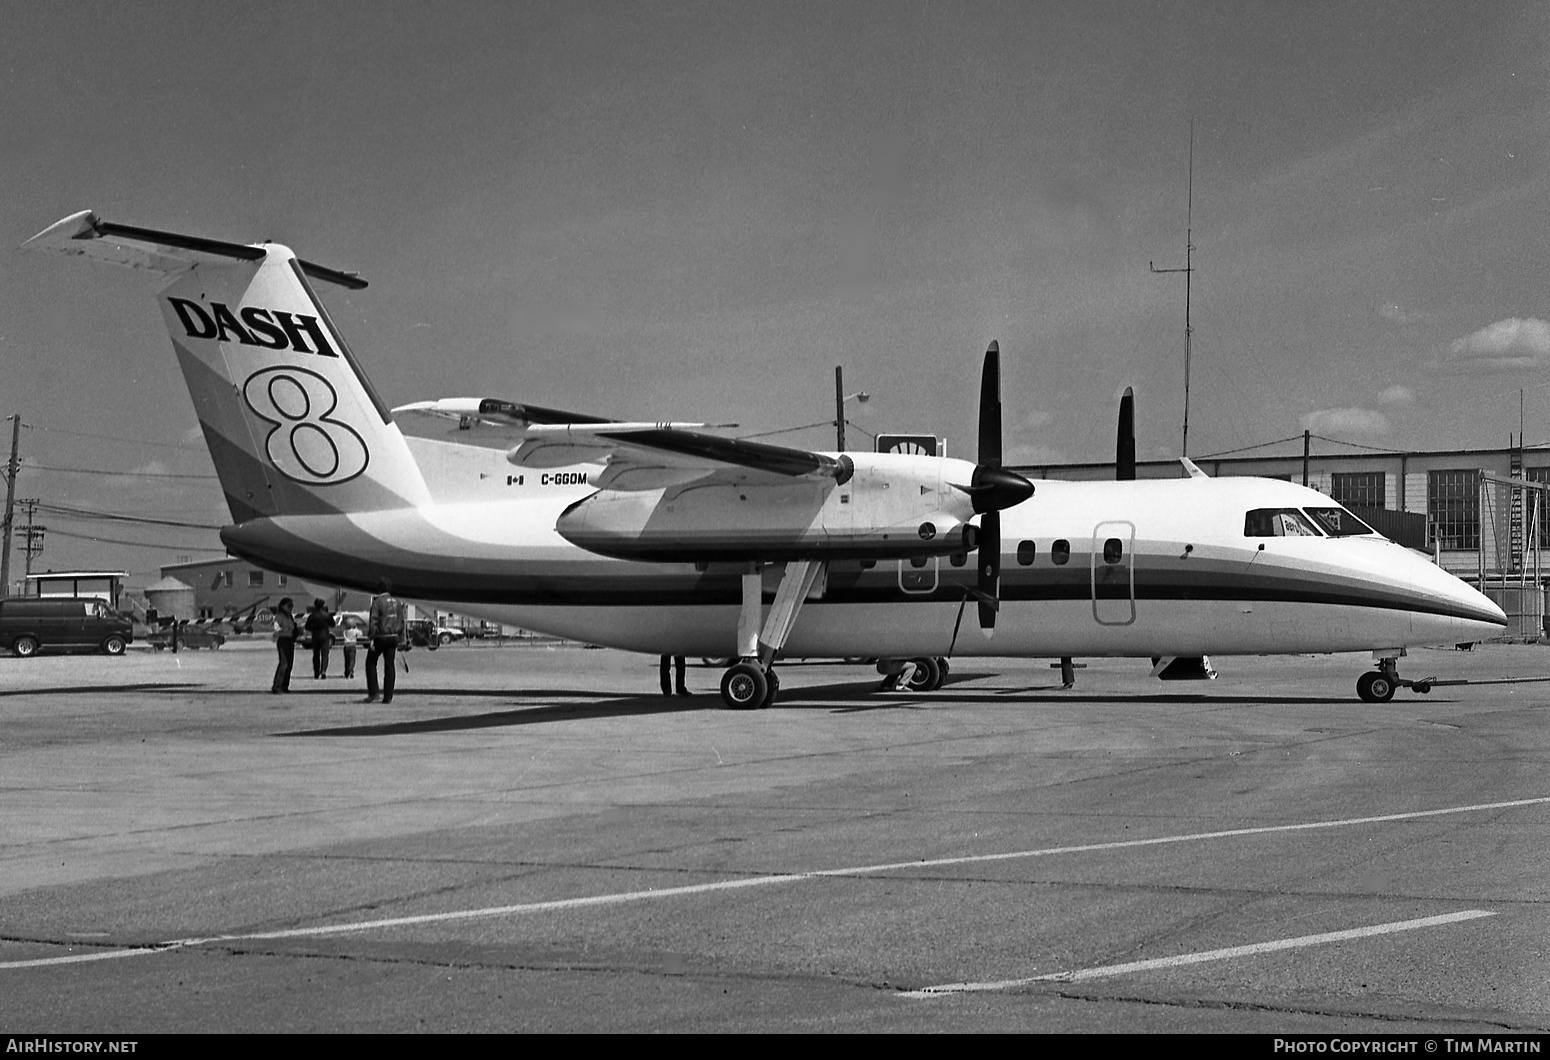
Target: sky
(696,211)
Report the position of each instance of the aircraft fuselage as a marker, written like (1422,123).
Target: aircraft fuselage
(1142,568)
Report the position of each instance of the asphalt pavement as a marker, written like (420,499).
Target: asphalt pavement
(534,839)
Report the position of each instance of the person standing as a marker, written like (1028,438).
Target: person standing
(351,637)
(677,664)
(384,633)
(285,634)
(318,624)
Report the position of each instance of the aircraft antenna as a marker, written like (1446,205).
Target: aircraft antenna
(1189,274)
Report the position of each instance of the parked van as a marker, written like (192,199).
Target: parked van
(29,625)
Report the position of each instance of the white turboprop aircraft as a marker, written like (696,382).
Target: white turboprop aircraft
(667,539)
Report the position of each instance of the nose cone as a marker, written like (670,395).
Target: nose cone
(996,488)
(1454,610)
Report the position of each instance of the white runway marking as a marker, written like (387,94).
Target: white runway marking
(622,897)
(82,958)
(1108,970)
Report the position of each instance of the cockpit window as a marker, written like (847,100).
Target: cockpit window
(1278,522)
(1337,522)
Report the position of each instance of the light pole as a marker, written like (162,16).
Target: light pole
(840,397)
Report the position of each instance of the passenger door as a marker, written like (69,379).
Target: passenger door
(1113,573)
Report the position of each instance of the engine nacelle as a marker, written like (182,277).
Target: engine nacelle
(722,522)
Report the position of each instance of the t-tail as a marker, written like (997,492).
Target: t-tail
(293,425)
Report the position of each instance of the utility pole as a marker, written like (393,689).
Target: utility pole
(32,535)
(1189,274)
(12,466)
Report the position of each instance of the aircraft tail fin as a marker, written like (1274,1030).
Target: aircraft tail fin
(293,424)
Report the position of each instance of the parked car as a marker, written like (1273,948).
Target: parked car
(72,623)
(188,637)
(421,633)
(450,634)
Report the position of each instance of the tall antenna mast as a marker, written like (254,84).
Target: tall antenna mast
(1189,274)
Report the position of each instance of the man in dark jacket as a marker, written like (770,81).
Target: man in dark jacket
(384,633)
(318,624)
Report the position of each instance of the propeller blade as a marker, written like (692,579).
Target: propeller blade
(990,408)
(988,585)
(1125,442)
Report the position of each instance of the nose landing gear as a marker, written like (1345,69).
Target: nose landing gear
(1377,686)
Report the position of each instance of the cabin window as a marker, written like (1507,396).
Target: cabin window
(917,562)
(868,564)
(958,559)
(1337,522)
(1060,552)
(1277,522)
(1026,551)
(1113,549)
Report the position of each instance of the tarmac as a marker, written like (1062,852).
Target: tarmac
(534,839)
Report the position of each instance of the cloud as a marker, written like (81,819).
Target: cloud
(1346,421)
(1507,345)
(1395,313)
(1396,395)
(1035,455)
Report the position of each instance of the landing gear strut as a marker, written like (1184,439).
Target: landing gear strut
(751,682)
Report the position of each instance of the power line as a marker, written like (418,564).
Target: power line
(1246,448)
(113,438)
(115,474)
(87,513)
(1359,445)
(160,546)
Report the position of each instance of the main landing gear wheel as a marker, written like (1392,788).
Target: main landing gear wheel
(1375,687)
(926,677)
(745,687)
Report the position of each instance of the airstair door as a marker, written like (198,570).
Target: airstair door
(1113,573)
(919,575)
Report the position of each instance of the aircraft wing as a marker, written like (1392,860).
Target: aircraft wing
(635,455)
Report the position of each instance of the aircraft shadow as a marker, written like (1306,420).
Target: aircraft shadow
(849,697)
(622,707)
(75,690)
(1045,693)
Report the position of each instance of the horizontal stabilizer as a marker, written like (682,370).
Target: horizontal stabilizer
(85,234)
